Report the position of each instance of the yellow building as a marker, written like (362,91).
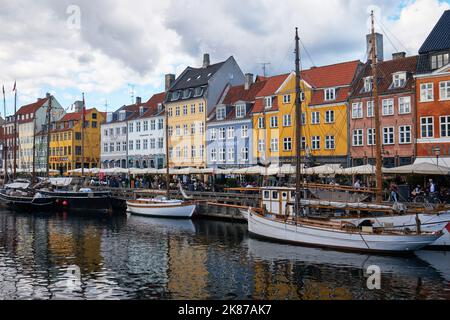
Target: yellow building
(189,100)
(66,141)
(324,127)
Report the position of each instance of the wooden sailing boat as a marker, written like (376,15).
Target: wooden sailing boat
(163,206)
(327,233)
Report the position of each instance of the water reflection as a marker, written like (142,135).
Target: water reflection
(95,257)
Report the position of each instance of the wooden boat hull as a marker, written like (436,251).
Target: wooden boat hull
(429,223)
(26,203)
(274,229)
(184,210)
(79,202)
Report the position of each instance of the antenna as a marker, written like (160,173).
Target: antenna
(132,91)
(106,105)
(264,67)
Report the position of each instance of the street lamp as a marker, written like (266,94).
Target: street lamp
(437,152)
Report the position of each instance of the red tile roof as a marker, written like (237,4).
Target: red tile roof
(335,75)
(152,105)
(239,93)
(32,108)
(271,85)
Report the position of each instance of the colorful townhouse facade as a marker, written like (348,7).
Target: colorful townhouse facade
(397,105)
(433,95)
(229,136)
(146,135)
(9,138)
(114,136)
(191,97)
(31,119)
(68,138)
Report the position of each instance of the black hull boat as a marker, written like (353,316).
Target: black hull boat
(80,202)
(25,201)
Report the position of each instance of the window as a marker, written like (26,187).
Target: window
(176,95)
(388,107)
(261,123)
(117,146)
(439,60)
(178,130)
(145,125)
(177,111)
(201,107)
(244,154)
(329,143)
(77,135)
(152,125)
(371,136)
(357,110)
(287,120)
(274,145)
(221,113)
(231,154)
(111,132)
(404,105)
(268,102)
(78,150)
(131,127)
(124,146)
(202,151)
(202,127)
(124,130)
(152,144)
(445,126)
(240,111)
(160,143)
(287,98)
(178,152)
(315,143)
(170,112)
(368,81)
(170,129)
(222,134)
(370,109)
(388,135)
(222,155)
(185,152)
(192,108)
(198,92)
(315,117)
(185,129)
(160,124)
(186,94)
(330,94)
(185,110)
(138,126)
(404,134)
(145,144)
(213,134)
(358,138)
(117,131)
(131,145)
(138,144)
(193,152)
(444,90)
(399,79)
(274,122)
(193,128)
(261,145)
(287,144)
(303,120)
(230,133)
(105,147)
(426,92)
(427,127)
(244,132)
(329,116)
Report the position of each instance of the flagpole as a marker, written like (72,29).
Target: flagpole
(5,148)
(15,132)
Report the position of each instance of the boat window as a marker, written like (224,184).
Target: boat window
(266,195)
(275,195)
(284,195)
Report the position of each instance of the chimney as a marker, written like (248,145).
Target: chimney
(138,100)
(78,106)
(206,60)
(378,46)
(48,95)
(170,79)
(248,80)
(398,55)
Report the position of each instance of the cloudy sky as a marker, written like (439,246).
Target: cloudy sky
(106,47)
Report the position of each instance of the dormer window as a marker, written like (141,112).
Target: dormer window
(160,107)
(220,113)
(368,84)
(141,111)
(439,60)
(198,91)
(330,94)
(399,80)
(268,102)
(122,115)
(240,111)
(176,95)
(186,93)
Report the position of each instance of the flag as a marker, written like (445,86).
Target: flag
(14,89)
(448,227)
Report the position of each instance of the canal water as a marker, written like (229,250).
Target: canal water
(60,256)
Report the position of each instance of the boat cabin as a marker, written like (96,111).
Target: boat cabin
(276,200)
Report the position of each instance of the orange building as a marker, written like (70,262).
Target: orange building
(433,95)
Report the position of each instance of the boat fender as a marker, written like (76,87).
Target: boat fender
(65,203)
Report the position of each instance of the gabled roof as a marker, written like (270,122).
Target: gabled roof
(32,107)
(335,75)
(75,116)
(195,77)
(439,38)
(152,105)
(271,86)
(386,69)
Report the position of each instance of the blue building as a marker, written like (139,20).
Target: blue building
(229,133)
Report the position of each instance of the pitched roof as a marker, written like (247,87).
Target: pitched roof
(439,38)
(32,107)
(335,75)
(75,116)
(152,105)
(239,93)
(385,71)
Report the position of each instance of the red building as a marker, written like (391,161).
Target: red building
(433,95)
(396,103)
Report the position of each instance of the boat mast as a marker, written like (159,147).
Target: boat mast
(33,177)
(5,148)
(49,124)
(298,116)
(378,141)
(82,136)
(15,133)
(166,116)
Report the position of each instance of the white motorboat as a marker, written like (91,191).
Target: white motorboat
(336,235)
(162,207)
